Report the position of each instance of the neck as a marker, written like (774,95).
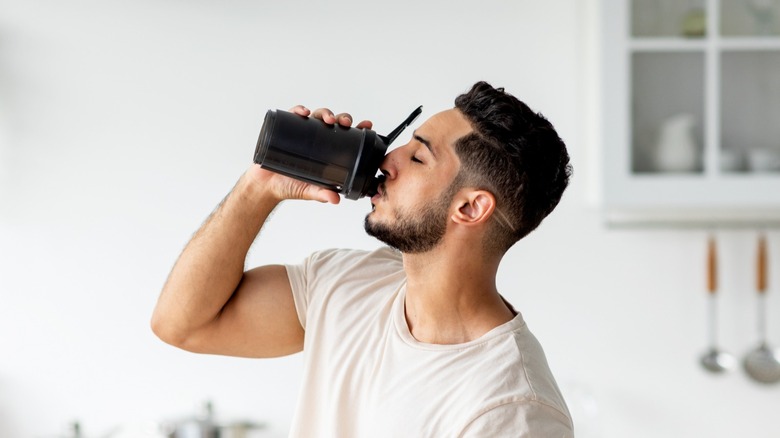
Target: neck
(451,298)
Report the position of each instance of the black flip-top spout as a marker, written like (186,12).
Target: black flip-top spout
(389,138)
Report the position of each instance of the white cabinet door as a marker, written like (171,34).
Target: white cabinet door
(691,111)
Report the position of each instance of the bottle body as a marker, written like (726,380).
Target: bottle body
(343,159)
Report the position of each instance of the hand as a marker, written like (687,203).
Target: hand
(285,187)
(326,115)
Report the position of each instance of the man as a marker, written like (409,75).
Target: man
(410,343)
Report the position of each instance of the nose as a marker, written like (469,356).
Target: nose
(389,166)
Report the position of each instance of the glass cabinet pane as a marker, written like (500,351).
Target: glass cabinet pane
(750,111)
(749,17)
(668,18)
(667,112)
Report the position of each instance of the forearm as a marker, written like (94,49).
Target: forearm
(212,264)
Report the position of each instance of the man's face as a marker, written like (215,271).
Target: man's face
(411,209)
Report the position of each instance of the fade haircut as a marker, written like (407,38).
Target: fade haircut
(515,154)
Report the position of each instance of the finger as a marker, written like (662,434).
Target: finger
(300,110)
(325,115)
(344,119)
(365,124)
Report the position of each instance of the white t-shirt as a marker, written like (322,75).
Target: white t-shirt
(366,376)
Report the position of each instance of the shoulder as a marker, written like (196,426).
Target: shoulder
(326,272)
(341,263)
(521,418)
(341,255)
(527,392)
(336,282)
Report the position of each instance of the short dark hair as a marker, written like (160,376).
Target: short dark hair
(515,154)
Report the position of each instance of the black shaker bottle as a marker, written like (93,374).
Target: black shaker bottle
(342,159)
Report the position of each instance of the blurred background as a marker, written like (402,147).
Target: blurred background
(124,123)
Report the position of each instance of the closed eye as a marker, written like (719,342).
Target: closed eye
(416,160)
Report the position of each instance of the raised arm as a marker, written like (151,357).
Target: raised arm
(209,304)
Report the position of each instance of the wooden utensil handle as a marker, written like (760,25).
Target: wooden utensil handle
(761,265)
(712,266)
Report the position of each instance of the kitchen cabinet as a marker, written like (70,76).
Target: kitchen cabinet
(691,112)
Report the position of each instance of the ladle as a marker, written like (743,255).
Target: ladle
(762,364)
(714,360)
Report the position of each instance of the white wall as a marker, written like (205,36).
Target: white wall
(123,123)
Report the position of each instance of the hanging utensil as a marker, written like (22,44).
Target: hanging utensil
(714,360)
(762,364)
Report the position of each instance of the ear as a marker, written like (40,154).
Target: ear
(474,207)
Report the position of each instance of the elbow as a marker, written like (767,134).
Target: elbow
(166,331)
(171,331)
(160,328)
(168,322)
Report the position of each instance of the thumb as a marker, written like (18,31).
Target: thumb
(324,195)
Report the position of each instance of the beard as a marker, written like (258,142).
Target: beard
(414,234)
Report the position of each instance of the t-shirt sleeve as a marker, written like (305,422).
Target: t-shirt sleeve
(520,419)
(314,273)
(297,274)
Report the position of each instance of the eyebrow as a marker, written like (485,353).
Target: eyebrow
(424,141)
